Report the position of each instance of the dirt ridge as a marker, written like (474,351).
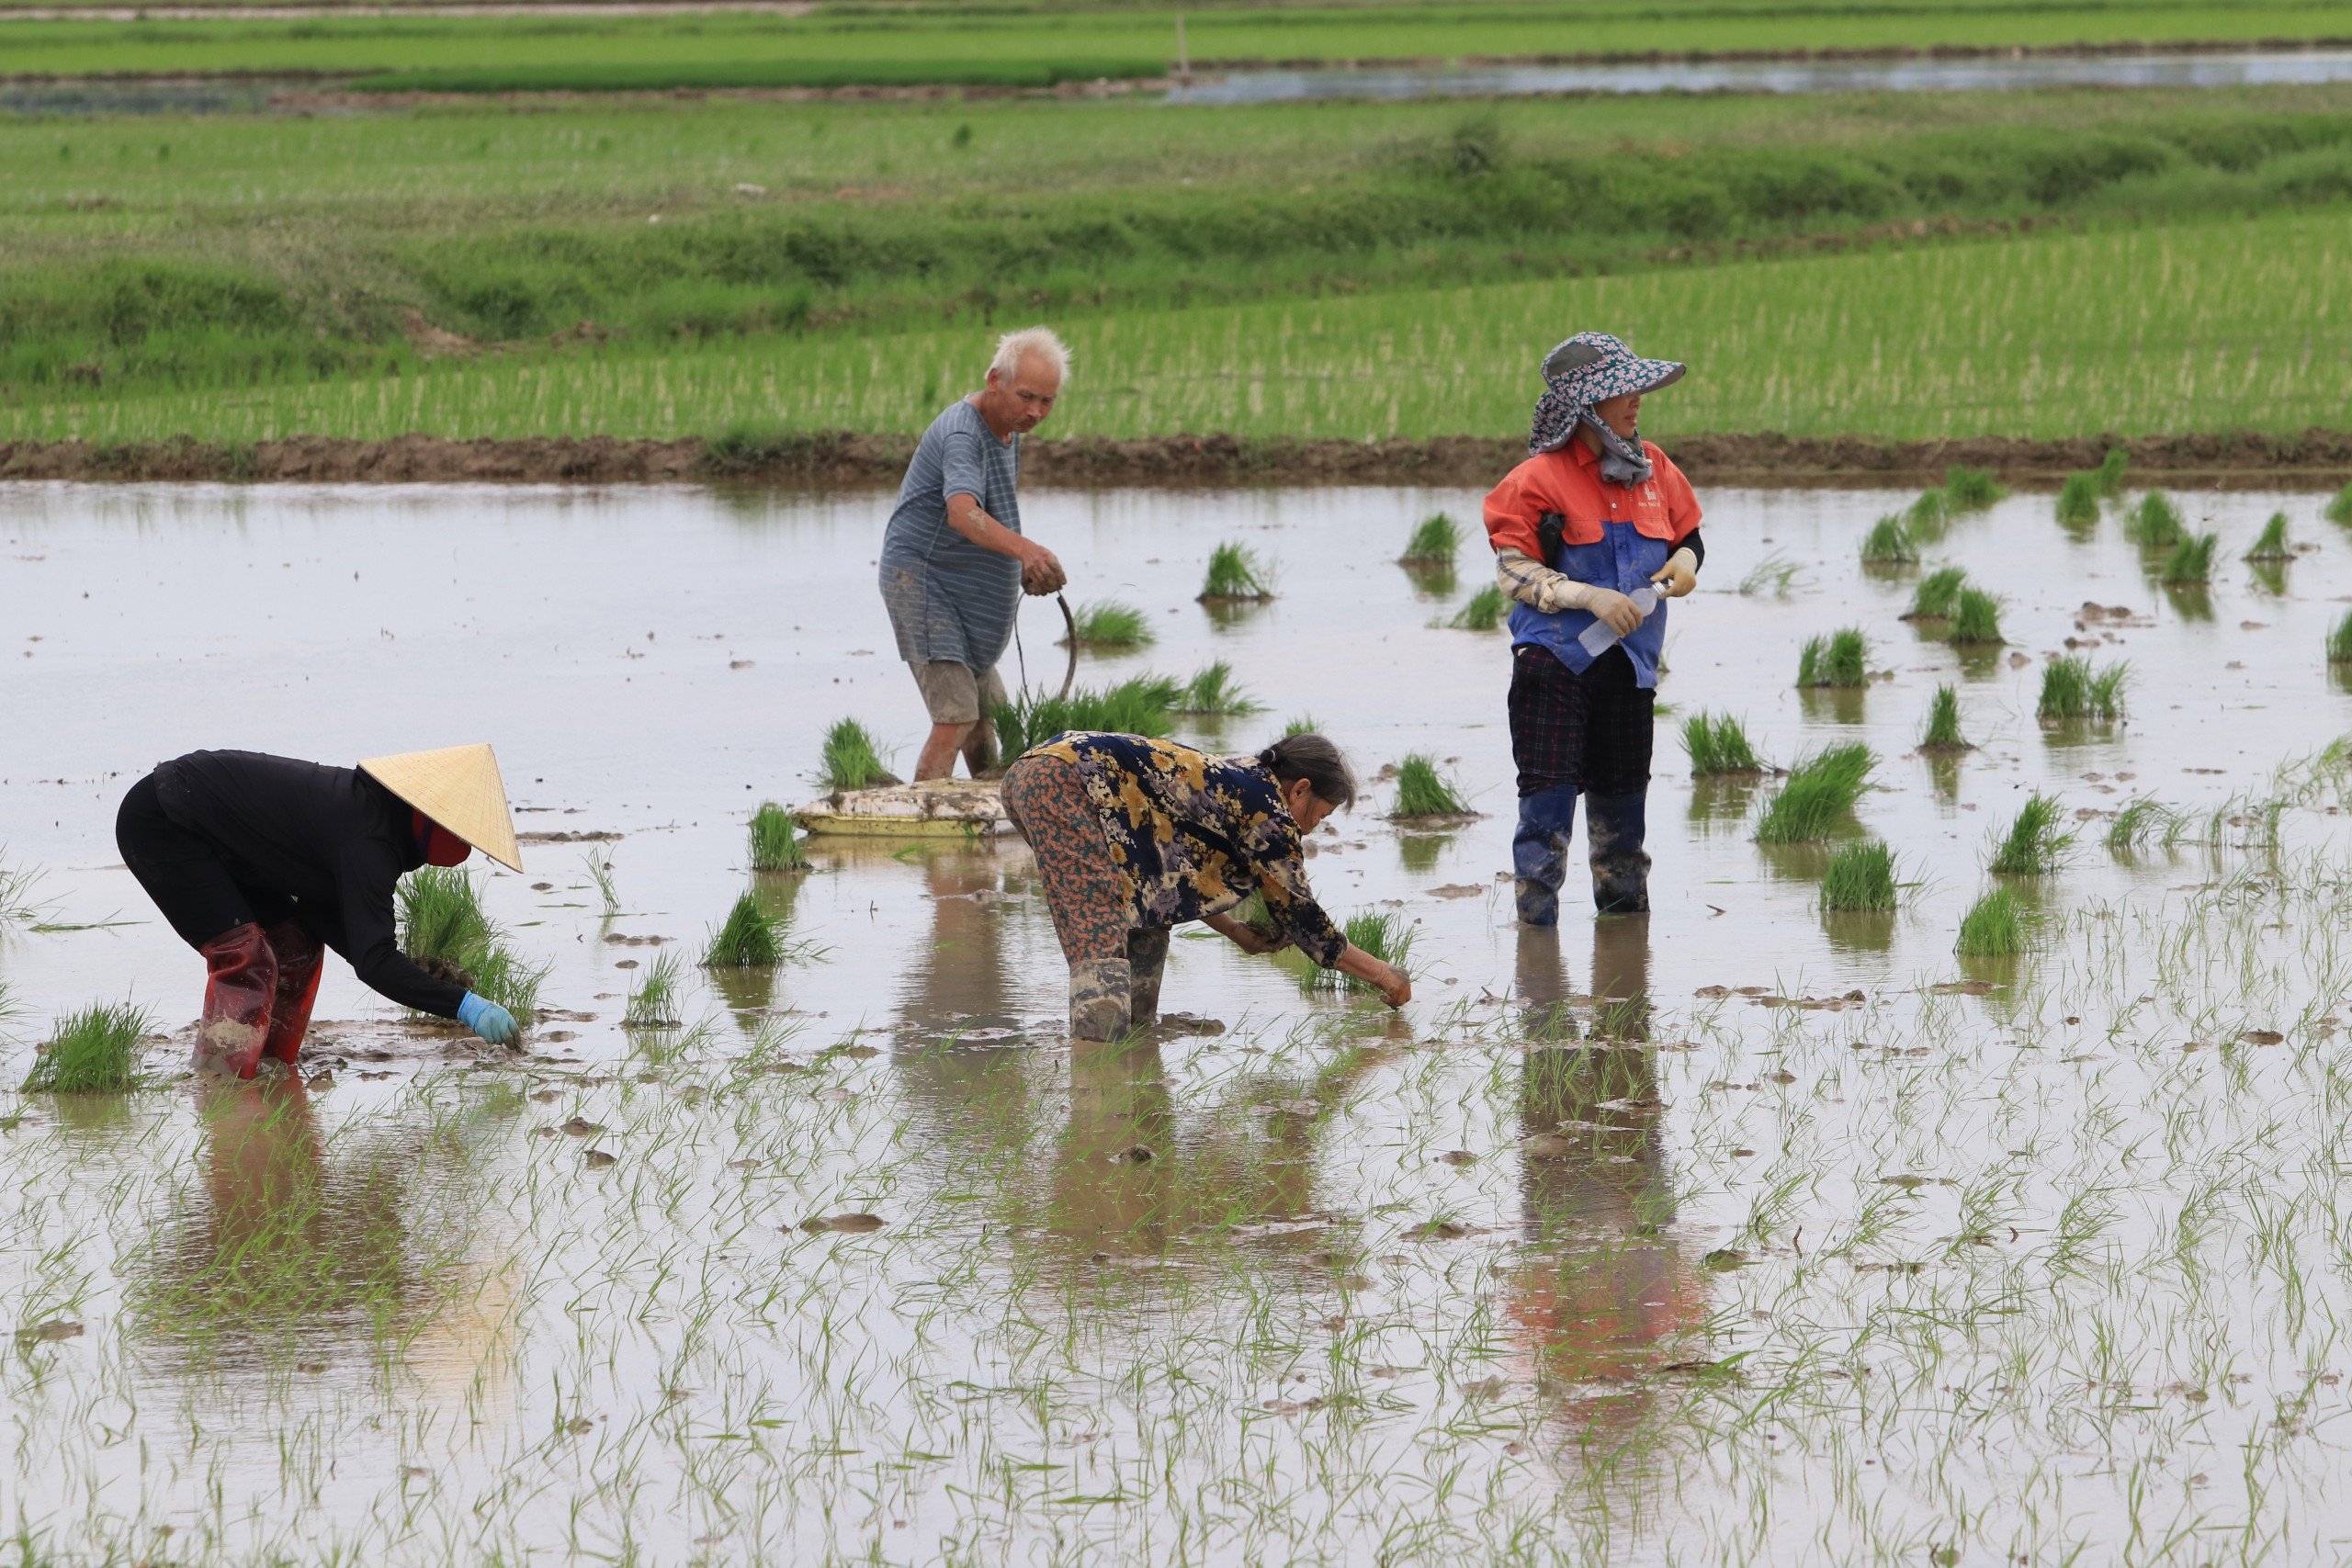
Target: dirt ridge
(846,460)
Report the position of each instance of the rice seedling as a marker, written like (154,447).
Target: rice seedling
(1434,542)
(775,839)
(1212,692)
(1142,705)
(18,905)
(1388,937)
(1889,543)
(2270,545)
(653,1001)
(1927,515)
(2108,475)
(2071,688)
(2144,818)
(2339,506)
(1303,725)
(851,759)
(1859,877)
(1234,573)
(2339,641)
(443,927)
(1976,619)
(1481,611)
(1942,732)
(92,1050)
(750,938)
(1776,574)
(1937,592)
(1106,625)
(1718,744)
(1994,926)
(2154,524)
(2191,560)
(2078,500)
(600,872)
(1819,790)
(1422,791)
(2034,844)
(1838,659)
(1972,489)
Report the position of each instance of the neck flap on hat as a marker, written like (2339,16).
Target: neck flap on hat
(1558,417)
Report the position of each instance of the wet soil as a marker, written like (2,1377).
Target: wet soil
(840,460)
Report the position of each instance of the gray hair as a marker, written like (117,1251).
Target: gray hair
(1308,756)
(1014,347)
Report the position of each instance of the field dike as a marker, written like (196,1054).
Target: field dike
(840,458)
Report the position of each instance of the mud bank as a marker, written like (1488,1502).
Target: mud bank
(839,459)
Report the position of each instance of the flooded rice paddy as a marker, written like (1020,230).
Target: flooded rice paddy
(1735,1233)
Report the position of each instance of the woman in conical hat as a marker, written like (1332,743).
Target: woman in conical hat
(262,862)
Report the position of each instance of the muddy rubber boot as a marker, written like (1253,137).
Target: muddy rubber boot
(299,961)
(1539,851)
(237,998)
(1614,827)
(1099,999)
(1147,962)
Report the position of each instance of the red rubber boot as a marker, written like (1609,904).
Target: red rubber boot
(299,961)
(237,999)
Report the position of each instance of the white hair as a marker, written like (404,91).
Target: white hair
(1014,347)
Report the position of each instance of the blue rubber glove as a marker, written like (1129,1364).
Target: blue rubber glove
(487,1019)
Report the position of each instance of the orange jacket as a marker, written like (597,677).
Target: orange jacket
(1568,482)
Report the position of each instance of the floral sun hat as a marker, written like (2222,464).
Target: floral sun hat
(1591,368)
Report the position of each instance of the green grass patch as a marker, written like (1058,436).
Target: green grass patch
(2271,545)
(2034,844)
(1994,927)
(1214,692)
(775,839)
(1976,619)
(1717,744)
(2078,500)
(1859,877)
(851,760)
(1820,791)
(1142,705)
(2191,560)
(1422,791)
(93,1050)
(1971,490)
(2154,523)
(750,938)
(1889,543)
(1388,937)
(1103,625)
(1234,573)
(1838,658)
(443,927)
(1937,594)
(1942,732)
(2073,689)
(1434,542)
(1481,611)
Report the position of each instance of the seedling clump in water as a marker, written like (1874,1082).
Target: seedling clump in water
(1111,626)
(1937,593)
(1212,692)
(1386,936)
(1434,543)
(1859,877)
(2339,641)
(1889,543)
(2339,506)
(1818,792)
(2271,543)
(1838,659)
(2078,500)
(653,1001)
(1972,489)
(1976,619)
(2071,689)
(1140,705)
(1718,744)
(775,842)
(1481,610)
(2191,560)
(2033,846)
(442,925)
(2154,524)
(1422,791)
(1994,927)
(90,1051)
(1234,573)
(1943,733)
(750,938)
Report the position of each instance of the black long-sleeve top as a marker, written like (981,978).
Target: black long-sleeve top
(332,840)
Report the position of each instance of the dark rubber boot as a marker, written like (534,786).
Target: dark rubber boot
(237,998)
(1147,962)
(1099,999)
(299,961)
(1615,826)
(1539,851)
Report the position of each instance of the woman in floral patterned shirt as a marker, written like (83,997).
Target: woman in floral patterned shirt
(1134,836)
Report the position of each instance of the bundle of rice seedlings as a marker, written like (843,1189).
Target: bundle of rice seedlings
(90,1051)
(1104,625)
(1718,744)
(1929,513)
(2154,524)
(1838,659)
(2339,641)
(1994,928)
(1483,610)
(2143,818)
(2033,846)
(1212,691)
(775,839)
(1937,593)
(1977,618)
(1433,542)
(1303,725)
(1140,705)
(653,1001)
(2108,475)
(2339,506)
(1943,733)
(2078,500)
(1889,543)
(1860,877)
(750,938)
(1388,937)
(600,872)
(2271,543)
(1819,790)
(1971,490)
(850,759)
(1422,791)
(444,927)
(18,905)
(2191,560)
(1235,572)
(2071,689)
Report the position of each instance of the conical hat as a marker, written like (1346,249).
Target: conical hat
(459,788)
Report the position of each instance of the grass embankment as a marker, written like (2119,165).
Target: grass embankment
(309,268)
(1037,46)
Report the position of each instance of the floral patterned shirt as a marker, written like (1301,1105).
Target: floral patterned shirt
(1196,834)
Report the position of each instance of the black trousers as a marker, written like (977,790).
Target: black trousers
(184,875)
(1591,732)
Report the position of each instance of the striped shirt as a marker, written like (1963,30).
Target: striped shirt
(947,597)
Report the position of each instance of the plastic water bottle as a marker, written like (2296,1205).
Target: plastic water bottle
(1599,639)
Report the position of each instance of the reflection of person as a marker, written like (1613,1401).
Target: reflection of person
(954,563)
(262,863)
(1134,836)
(1593,515)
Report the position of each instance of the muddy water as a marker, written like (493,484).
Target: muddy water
(465,1340)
